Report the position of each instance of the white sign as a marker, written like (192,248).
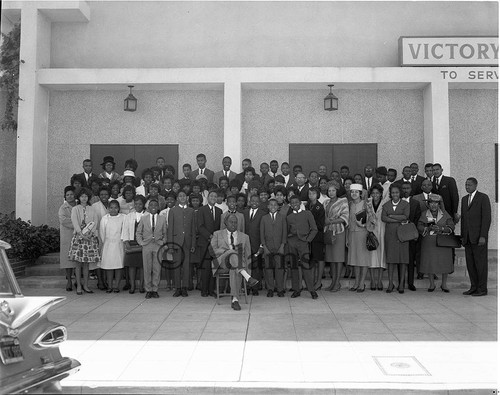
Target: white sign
(448,51)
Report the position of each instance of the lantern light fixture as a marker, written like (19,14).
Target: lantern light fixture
(331,101)
(130,103)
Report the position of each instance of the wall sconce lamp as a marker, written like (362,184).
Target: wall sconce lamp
(130,103)
(331,101)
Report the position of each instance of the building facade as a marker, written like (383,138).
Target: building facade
(245,79)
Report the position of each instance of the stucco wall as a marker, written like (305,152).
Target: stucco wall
(7,164)
(392,118)
(474,132)
(194,120)
(245,34)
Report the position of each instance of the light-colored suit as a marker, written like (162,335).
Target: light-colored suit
(151,243)
(221,173)
(222,252)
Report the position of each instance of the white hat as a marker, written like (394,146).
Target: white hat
(128,173)
(356,187)
(201,176)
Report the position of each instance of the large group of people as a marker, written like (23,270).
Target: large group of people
(262,227)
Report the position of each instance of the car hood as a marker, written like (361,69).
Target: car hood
(25,308)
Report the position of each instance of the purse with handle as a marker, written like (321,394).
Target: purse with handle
(407,232)
(450,241)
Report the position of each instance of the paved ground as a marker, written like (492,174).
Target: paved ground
(342,341)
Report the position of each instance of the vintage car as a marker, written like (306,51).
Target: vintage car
(29,342)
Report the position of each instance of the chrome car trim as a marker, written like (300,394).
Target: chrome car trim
(53,338)
(8,270)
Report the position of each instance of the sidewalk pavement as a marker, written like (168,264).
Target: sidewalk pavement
(369,342)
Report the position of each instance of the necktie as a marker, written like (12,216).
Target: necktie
(227,175)
(274,217)
(232,241)
(153,223)
(212,211)
(251,214)
(470,198)
(412,178)
(369,183)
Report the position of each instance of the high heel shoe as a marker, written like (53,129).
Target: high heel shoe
(380,288)
(390,289)
(431,289)
(320,286)
(359,290)
(69,286)
(336,289)
(373,288)
(352,289)
(109,290)
(131,291)
(79,292)
(401,291)
(88,291)
(445,290)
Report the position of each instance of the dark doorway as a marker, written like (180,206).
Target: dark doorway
(144,154)
(355,156)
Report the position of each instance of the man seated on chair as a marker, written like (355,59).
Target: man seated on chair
(232,253)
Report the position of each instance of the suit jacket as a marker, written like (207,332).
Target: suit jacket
(207,173)
(219,174)
(304,193)
(374,181)
(291,181)
(252,228)
(207,225)
(241,221)
(415,211)
(181,229)
(221,249)
(273,234)
(476,218)
(264,180)
(83,180)
(302,225)
(416,185)
(144,234)
(449,192)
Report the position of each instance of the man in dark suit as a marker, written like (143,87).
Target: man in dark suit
(181,239)
(416,179)
(476,221)
(303,188)
(201,159)
(369,179)
(208,218)
(414,245)
(285,172)
(226,170)
(87,175)
(244,164)
(447,188)
(253,216)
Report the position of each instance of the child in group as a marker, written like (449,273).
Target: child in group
(195,259)
(253,189)
(263,197)
(221,196)
(115,189)
(168,181)
(126,201)
(95,186)
(234,187)
(231,205)
(241,202)
(154,194)
(110,231)
(186,170)
(147,180)
(176,187)
(283,206)
(133,256)
(108,165)
(151,235)
(169,274)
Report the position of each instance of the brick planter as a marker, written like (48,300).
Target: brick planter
(19,267)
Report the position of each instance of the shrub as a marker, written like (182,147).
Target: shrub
(27,241)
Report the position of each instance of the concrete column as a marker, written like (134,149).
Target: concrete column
(232,123)
(437,125)
(31,162)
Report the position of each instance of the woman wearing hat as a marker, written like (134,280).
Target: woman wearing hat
(435,259)
(108,165)
(395,212)
(358,256)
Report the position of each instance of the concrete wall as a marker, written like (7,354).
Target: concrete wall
(192,119)
(7,164)
(245,34)
(392,118)
(473,134)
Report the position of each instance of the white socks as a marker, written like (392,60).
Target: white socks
(235,299)
(245,274)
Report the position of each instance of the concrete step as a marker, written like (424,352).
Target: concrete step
(51,258)
(47,269)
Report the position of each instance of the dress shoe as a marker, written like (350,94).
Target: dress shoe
(148,295)
(380,287)
(252,282)
(109,290)
(401,291)
(420,276)
(131,291)
(295,294)
(480,293)
(445,290)
(389,289)
(213,294)
(359,290)
(155,295)
(235,305)
(142,290)
(87,291)
(126,287)
(281,294)
(373,288)
(431,289)
(352,289)
(177,293)
(255,292)
(184,292)
(270,293)
(469,292)
(314,294)
(411,287)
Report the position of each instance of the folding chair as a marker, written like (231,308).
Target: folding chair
(218,276)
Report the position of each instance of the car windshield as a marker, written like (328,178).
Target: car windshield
(8,283)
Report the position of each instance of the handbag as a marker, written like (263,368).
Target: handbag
(407,232)
(372,242)
(132,247)
(450,241)
(328,237)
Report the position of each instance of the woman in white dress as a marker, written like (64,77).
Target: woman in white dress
(110,232)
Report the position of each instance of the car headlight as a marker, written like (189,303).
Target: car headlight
(52,337)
